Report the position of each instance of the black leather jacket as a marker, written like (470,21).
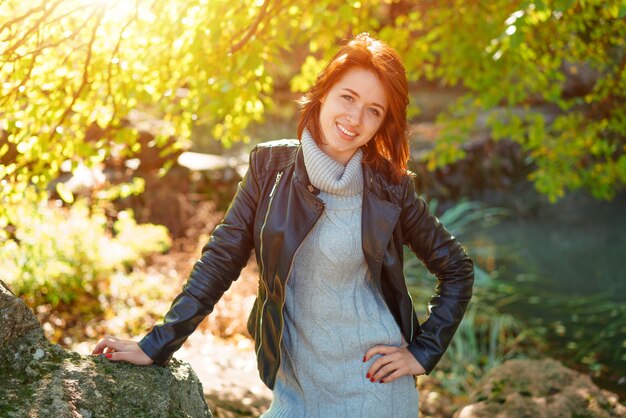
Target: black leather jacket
(273,210)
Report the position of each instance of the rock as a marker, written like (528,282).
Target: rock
(16,319)
(40,379)
(435,400)
(539,389)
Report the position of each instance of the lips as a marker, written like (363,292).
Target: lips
(345,131)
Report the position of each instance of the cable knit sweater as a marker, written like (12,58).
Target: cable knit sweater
(334,313)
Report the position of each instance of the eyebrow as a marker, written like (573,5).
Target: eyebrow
(358,95)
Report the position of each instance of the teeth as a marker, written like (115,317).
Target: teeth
(345,131)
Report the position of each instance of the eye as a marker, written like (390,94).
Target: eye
(374,111)
(348,98)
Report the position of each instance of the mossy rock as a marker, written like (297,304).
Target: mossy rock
(539,389)
(43,379)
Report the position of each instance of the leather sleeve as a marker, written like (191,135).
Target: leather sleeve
(444,257)
(223,258)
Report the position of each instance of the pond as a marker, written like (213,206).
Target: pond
(566,264)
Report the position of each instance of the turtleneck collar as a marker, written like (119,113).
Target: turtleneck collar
(329,175)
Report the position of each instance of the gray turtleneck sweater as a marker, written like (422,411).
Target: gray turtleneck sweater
(334,313)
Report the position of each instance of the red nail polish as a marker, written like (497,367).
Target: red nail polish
(381,381)
(108,355)
(367,376)
(372,380)
(363,359)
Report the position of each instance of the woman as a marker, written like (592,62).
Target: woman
(327,217)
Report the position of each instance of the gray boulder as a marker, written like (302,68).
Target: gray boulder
(539,389)
(40,379)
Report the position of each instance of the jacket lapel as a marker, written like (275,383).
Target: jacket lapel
(379,218)
(303,209)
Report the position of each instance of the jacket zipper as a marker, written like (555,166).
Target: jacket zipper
(269,206)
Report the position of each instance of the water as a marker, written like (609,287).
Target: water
(567,263)
(577,246)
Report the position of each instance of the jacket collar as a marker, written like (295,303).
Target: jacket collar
(300,171)
(379,218)
(370,184)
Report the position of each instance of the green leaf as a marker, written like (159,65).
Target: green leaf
(563,5)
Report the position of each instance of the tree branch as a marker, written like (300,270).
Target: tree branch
(32,29)
(85,78)
(36,51)
(114,53)
(18,19)
(252,29)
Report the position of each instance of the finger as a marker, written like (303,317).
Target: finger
(393,376)
(378,349)
(118,356)
(378,364)
(108,344)
(386,370)
(100,346)
(135,357)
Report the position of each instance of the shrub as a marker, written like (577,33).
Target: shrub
(52,255)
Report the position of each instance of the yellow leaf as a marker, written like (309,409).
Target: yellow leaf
(65,193)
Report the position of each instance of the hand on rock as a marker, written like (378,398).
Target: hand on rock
(116,349)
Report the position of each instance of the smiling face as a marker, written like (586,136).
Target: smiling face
(351,112)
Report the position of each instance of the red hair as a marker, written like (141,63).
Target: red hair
(388,150)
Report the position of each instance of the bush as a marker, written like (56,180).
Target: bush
(53,255)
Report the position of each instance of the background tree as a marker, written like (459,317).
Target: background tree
(549,74)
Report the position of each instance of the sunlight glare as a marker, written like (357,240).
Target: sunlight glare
(513,17)
(115,9)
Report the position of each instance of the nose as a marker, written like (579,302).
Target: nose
(355,116)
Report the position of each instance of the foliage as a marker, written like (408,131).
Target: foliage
(584,329)
(60,255)
(549,74)
(135,302)
(133,241)
(74,71)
